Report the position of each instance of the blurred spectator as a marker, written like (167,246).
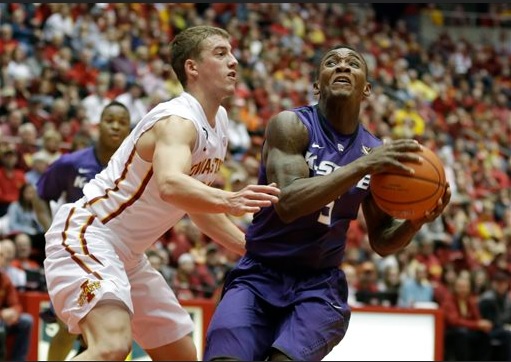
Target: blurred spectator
(7,42)
(153,81)
(28,260)
(18,67)
(467,334)
(480,280)
(59,22)
(192,280)
(17,276)
(118,85)
(23,258)
(26,146)
(178,242)
(95,102)
(390,284)
(107,47)
(445,285)
(13,122)
(495,306)
(11,178)
(51,146)
(23,218)
(426,255)
(367,284)
(239,138)
(416,290)
(132,99)
(352,280)
(15,322)
(83,72)
(39,165)
(217,264)
(158,262)
(124,62)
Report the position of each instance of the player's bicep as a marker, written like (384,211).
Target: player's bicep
(286,142)
(174,141)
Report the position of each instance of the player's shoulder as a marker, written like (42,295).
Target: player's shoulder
(75,158)
(370,138)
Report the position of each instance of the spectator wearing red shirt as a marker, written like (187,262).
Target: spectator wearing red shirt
(427,256)
(11,178)
(83,71)
(36,114)
(13,319)
(7,42)
(12,123)
(467,335)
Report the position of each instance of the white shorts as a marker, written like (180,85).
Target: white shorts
(83,267)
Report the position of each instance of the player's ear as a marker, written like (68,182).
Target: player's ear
(367,90)
(315,88)
(191,67)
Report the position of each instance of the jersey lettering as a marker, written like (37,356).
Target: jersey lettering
(80,182)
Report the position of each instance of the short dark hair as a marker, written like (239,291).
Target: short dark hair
(187,45)
(113,104)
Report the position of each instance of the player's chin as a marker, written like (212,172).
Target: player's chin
(115,140)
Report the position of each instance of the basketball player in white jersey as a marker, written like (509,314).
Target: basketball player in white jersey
(99,280)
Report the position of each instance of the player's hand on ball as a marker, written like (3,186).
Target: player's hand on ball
(392,156)
(442,203)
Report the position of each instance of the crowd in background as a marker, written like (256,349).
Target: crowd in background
(60,64)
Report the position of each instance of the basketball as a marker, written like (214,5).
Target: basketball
(411,196)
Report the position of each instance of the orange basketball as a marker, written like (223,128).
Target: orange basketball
(411,196)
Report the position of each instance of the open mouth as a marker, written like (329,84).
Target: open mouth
(342,80)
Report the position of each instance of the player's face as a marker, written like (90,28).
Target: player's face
(343,73)
(114,126)
(216,70)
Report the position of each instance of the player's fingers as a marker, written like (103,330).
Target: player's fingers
(268,189)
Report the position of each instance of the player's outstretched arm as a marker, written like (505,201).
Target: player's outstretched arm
(173,142)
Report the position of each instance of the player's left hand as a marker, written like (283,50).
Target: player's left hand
(437,211)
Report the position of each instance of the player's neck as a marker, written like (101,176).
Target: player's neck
(342,115)
(103,154)
(209,104)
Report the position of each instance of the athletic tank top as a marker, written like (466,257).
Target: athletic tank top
(317,240)
(125,197)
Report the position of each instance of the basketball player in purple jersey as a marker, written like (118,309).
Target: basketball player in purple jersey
(68,174)
(287,299)
(63,181)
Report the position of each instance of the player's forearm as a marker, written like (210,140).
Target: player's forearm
(394,238)
(193,196)
(42,212)
(306,195)
(221,230)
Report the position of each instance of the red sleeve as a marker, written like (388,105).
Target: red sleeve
(453,317)
(9,297)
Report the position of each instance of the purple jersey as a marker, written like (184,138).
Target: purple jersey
(316,240)
(69,173)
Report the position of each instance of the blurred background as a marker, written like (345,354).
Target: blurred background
(440,74)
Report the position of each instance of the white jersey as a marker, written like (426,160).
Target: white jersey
(125,197)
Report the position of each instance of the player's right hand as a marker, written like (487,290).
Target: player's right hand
(392,155)
(252,198)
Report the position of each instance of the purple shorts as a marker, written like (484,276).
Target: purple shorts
(302,315)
